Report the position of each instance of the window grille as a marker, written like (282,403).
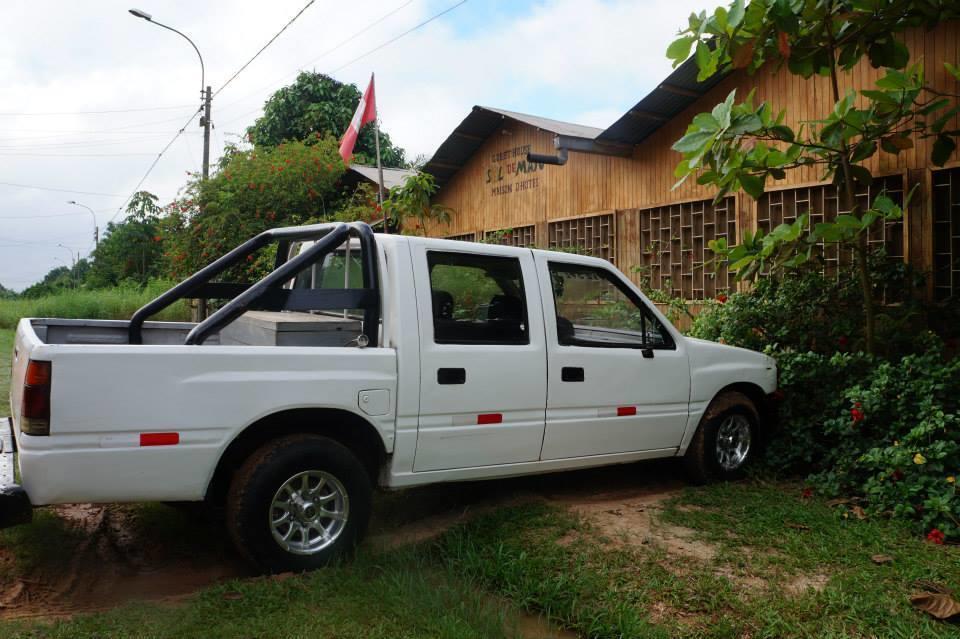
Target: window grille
(674,253)
(595,235)
(463,237)
(946,233)
(524,236)
(821,203)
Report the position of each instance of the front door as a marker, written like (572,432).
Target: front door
(618,381)
(483,356)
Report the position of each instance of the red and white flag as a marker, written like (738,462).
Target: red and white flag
(366,112)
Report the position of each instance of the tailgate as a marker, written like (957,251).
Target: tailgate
(24,344)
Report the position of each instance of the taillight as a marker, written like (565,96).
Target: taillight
(35,407)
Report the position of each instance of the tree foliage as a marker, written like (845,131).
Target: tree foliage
(742,145)
(316,104)
(130,249)
(409,205)
(257,189)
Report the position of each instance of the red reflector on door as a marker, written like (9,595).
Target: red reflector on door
(159,439)
(623,411)
(490,418)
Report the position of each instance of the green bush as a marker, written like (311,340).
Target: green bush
(882,427)
(897,441)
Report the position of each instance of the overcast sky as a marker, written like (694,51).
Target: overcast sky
(583,61)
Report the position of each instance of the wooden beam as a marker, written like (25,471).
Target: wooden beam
(467,136)
(647,115)
(445,165)
(672,88)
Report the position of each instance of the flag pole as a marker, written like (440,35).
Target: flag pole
(376,137)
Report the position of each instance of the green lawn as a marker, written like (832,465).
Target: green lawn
(779,566)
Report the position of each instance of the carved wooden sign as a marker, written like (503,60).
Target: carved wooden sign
(510,172)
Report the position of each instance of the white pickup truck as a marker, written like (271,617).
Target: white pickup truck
(365,361)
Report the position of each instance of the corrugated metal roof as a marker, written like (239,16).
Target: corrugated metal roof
(391,177)
(677,92)
(481,124)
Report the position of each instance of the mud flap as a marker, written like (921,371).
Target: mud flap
(15,507)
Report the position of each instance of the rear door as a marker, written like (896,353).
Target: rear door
(483,356)
(618,380)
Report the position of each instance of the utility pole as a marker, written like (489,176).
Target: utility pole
(205,123)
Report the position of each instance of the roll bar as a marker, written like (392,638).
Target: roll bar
(268,294)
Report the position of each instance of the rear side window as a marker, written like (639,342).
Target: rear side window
(477,299)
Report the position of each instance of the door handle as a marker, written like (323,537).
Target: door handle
(571,374)
(451,376)
(647,353)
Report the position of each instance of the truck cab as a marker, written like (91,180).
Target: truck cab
(366,362)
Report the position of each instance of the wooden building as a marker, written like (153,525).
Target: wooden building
(614,197)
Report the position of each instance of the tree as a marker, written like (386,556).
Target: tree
(316,105)
(131,248)
(6,293)
(257,189)
(408,206)
(57,279)
(739,145)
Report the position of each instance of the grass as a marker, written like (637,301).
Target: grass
(111,303)
(768,547)
(395,596)
(475,580)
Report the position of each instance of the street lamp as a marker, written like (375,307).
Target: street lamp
(96,229)
(205,91)
(74,263)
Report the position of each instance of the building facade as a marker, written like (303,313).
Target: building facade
(615,197)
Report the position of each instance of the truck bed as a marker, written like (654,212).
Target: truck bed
(87,331)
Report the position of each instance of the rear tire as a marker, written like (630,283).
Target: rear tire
(726,442)
(298,503)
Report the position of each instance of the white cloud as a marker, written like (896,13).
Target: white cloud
(580,60)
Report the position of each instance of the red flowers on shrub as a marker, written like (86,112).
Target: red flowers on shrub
(843,341)
(807,493)
(896,475)
(936,536)
(722,298)
(856,414)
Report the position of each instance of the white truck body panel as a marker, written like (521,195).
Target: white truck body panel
(106,395)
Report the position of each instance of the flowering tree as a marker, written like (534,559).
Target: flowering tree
(742,144)
(256,189)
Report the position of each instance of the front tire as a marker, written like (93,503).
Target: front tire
(726,442)
(298,503)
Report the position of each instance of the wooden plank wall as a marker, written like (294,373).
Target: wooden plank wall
(593,184)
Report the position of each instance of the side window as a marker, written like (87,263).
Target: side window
(477,299)
(595,309)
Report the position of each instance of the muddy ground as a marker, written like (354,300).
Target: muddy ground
(126,553)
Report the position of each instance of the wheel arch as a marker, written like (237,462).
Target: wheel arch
(723,398)
(343,426)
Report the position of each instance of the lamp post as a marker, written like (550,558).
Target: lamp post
(205,92)
(72,261)
(96,229)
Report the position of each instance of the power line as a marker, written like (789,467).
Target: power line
(407,32)
(335,47)
(48,113)
(57,190)
(73,155)
(154,163)
(262,49)
(45,215)
(375,49)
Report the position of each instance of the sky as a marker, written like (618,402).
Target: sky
(89,94)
